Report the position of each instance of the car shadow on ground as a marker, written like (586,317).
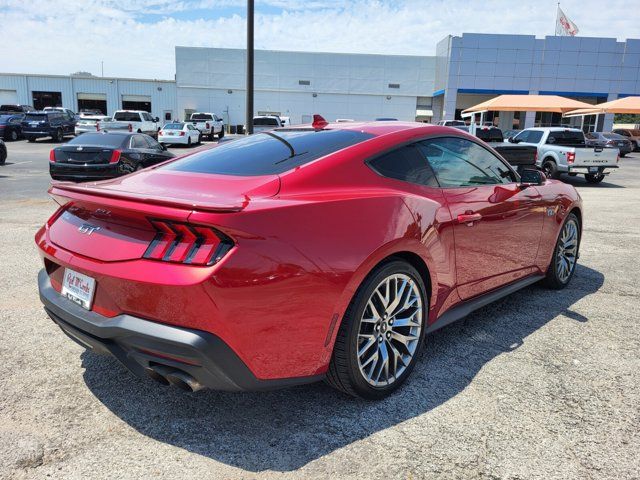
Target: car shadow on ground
(286,429)
(579,182)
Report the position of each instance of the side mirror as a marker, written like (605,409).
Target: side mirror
(512,140)
(530,177)
(156,120)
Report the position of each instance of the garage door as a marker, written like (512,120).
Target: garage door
(8,97)
(136,102)
(92,101)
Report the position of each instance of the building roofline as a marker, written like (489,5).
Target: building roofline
(45,75)
(311,53)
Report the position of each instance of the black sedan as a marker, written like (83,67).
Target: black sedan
(102,155)
(609,140)
(10,126)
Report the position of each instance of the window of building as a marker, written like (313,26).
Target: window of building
(304,82)
(394,85)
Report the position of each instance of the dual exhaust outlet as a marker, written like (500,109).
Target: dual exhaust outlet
(173,376)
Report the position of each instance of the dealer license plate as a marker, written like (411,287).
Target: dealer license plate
(593,169)
(78,288)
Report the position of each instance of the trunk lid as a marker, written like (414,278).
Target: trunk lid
(118,220)
(83,154)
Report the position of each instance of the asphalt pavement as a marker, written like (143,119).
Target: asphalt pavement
(540,385)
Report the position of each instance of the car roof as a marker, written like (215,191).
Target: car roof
(374,128)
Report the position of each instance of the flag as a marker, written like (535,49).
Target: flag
(564,26)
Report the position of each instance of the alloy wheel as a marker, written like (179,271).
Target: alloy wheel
(567,253)
(390,329)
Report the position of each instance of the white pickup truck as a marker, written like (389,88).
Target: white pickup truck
(209,124)
(133,121)
(564,150)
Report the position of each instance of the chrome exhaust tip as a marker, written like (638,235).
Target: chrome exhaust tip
(184,381)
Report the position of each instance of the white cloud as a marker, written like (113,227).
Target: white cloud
(136,38)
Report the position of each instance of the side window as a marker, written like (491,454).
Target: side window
(458,162)
(535,136)
(522,136)
(407,164)
(152,143)
(138,141)
(554,137)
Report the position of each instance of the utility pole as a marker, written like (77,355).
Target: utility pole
(102,68)
(249,101)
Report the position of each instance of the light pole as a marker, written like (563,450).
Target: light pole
(249,102)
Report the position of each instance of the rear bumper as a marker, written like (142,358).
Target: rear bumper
(601,169)
(173,139)
(37,134)
(139,344)
(63,171)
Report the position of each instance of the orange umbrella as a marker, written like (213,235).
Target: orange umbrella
(529,103)
(621,105)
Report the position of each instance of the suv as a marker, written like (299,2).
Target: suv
(209,124)
(264,123)
(16,108)
(47,124)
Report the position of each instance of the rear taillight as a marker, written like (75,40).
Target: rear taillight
(182,134)
(535,156)
(115,156)
(207,125)
(52,156)
(571,157)
(160,132)
(130,128)
(185,243)
(611,142)
(97,126)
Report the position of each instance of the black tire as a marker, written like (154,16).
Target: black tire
(31,139)
(3,154)
(189,142)
(13,135)
(622,155)
(221,134)
(344,372)
(550,169)
(58,137)
(199,139)
(594,177)
(553,279)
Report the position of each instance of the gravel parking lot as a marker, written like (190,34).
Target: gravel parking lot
(542,384)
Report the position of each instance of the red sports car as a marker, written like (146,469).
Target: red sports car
(320,252)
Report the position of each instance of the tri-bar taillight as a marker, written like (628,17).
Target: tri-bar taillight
(186,243)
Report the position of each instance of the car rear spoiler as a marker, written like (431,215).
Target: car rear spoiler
(62,192)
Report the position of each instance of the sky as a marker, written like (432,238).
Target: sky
(136,38)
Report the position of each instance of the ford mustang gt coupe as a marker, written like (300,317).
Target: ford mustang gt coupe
(326,251)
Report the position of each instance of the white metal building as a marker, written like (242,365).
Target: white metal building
(77,93)
(299,84)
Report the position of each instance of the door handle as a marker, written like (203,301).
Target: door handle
(469,218)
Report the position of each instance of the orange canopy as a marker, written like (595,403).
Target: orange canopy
(529,103)
(621,105)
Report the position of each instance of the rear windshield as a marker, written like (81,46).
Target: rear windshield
(268,153)
(566,138)
(99,139)
(127,117)
(201,116)
(35,117)
(174,126)
(613,136)
(10,108)
(261,122)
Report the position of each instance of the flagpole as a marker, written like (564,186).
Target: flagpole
(557,18)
